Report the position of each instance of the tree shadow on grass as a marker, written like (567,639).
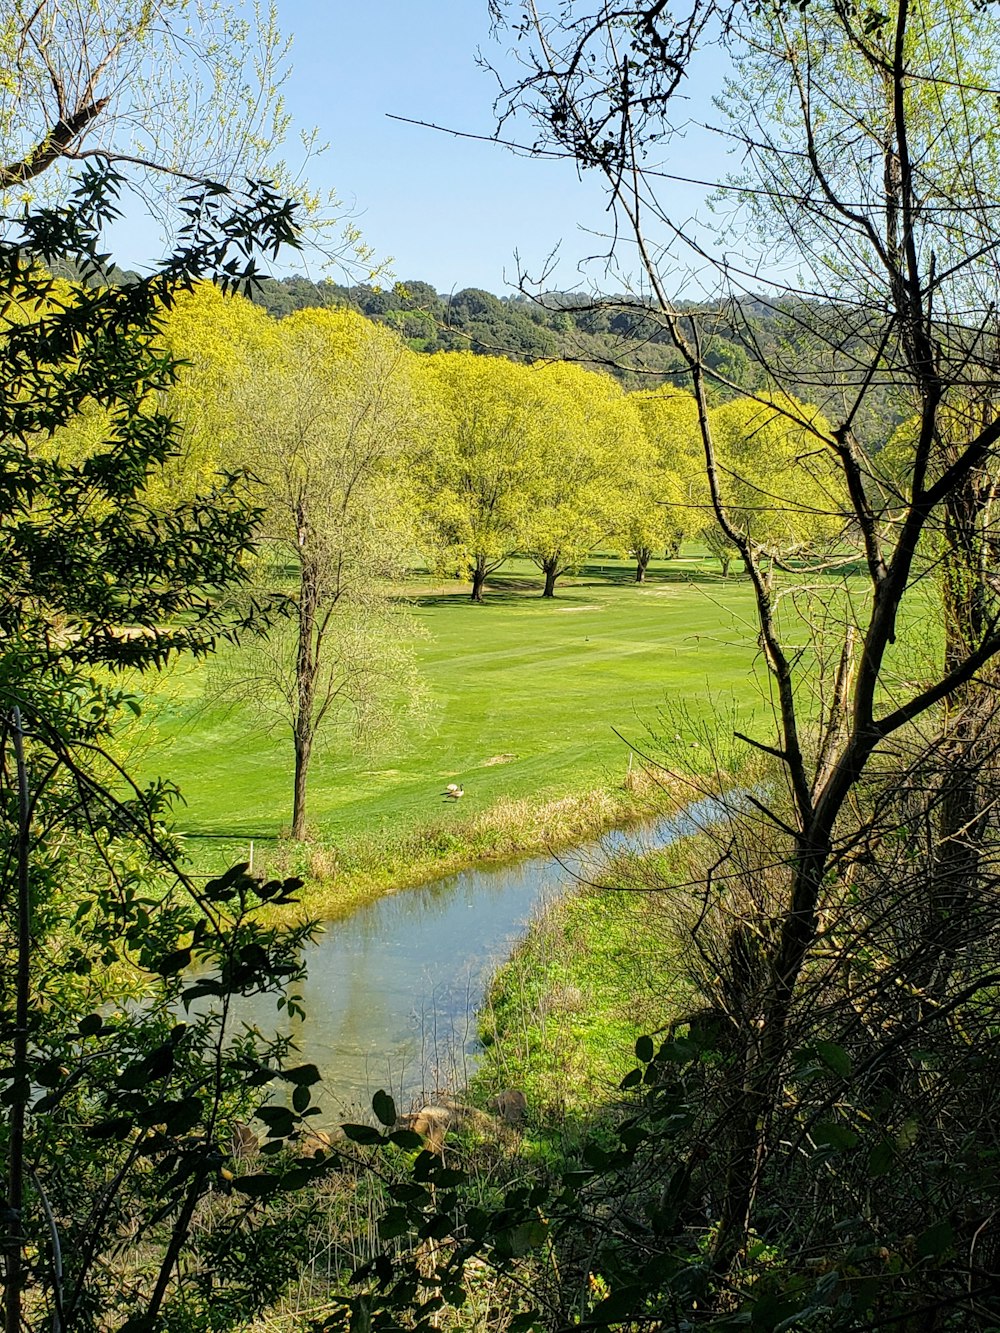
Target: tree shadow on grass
(230,833)
(511,590)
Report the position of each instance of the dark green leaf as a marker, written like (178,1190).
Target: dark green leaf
(834,1057)
(256,1187)
(527,1236)
(832,1134)
(384,1108)
(406,1138)
(306,1075)
(936,1240)
(881,1158)
(363,1134)
(173,962)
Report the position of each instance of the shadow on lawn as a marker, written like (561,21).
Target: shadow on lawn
(510,590)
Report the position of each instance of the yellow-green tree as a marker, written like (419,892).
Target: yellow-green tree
(663,495)
(318,409)
(325,415)
(215,336)
(478,473)
(775,485)
(592,436)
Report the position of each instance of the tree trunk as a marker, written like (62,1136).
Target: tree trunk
(642,559)
(951,915)
(478,580)
(14,1238)
(306,669)
(725,561)
(303,753)
(551,568)
(765,1042)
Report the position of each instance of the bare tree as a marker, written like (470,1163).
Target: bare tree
(869,169)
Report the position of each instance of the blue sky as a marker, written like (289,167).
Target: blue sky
(449,211)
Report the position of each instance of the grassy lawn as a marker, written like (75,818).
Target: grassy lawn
(525,697)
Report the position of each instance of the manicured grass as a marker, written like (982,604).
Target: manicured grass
(529,700)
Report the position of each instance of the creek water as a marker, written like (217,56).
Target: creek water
(392,990)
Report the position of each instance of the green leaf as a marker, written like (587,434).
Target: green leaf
(436,1227)
(306,1075)
(773,1310)
(182,1116)
(173,962)
(522,1323)
(384,1108)
(393,1223)
(407,1193)
(932,1243)
(908,1134)
(616,1307)
(834,1057)
(301,1097)
(366,1134)
(279,1120)
(644,1049)
(406,1138)
(448,1177)
(527,1236)
(832,1134)
(881,1158)
(256,1187)
(117,1128)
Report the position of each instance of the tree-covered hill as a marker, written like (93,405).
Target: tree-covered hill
(616,333)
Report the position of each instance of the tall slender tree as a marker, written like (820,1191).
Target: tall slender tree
(322,411)
(478,475)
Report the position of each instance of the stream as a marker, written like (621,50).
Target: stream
(392,990)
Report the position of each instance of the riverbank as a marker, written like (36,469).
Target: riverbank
(598,968)
(339,879)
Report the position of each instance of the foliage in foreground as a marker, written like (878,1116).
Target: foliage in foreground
(124,1076)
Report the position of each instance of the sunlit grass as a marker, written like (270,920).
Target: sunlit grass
(529,701)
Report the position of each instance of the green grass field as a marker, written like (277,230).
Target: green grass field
(525,697)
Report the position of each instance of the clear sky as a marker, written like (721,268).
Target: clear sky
(446,210)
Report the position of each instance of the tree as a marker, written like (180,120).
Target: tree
(322,411)
(777,490)
(869,160)
(592,434)
(188,90)
(477,476)
(118,1099)
(663,501)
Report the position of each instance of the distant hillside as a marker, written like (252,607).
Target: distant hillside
(617,334)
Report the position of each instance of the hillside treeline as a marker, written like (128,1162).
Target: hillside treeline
(748,341)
